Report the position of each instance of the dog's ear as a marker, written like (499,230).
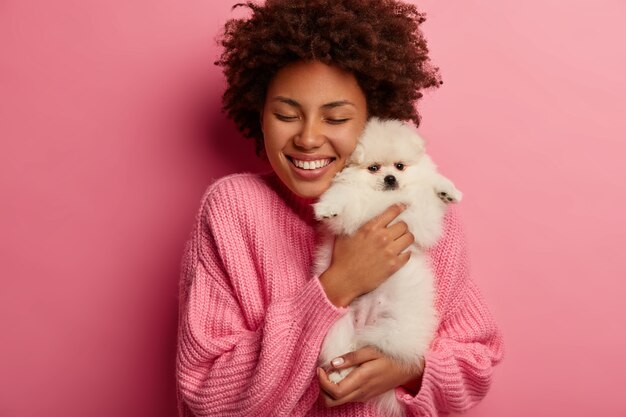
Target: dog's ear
(357,155)
(417,142)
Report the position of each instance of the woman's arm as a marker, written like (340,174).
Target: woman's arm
(224,369)
(375,374)
(459,363)
(226,366)
(468,343)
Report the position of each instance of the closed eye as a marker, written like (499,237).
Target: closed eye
(285,118)
(336,121)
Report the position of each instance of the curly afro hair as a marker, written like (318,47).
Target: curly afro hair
(379,41)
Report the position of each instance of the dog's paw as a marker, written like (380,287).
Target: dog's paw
(449,198)
(337,376)
(324,211)
(448,193)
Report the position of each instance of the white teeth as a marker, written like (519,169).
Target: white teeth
(320,163)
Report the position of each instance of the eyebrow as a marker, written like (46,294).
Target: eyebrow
(330,105)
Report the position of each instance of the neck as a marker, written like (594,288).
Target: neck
(302,206)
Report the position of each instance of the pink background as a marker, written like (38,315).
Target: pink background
(110,131)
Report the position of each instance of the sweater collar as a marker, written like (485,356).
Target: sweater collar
(300,205)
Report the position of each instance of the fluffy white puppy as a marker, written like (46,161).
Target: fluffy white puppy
(388,166)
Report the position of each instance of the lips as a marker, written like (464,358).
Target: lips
(310,164)
(309,167)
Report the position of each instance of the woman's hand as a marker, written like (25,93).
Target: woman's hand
(374,374)
(364,260)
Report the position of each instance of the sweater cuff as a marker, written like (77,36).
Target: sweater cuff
(436,372)
(311,310)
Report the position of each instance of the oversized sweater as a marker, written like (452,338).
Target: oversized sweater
(252,316)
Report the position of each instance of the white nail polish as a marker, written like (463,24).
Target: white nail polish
(337,361)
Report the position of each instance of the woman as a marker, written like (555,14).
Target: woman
(303,77)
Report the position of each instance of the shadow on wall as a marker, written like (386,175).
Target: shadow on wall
(227,148)
(222,151)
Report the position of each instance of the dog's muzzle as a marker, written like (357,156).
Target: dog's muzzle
(390,182)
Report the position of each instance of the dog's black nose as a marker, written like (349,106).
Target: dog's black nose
(390,180)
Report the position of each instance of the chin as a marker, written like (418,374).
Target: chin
(307,193)
(388,166)
(308,190)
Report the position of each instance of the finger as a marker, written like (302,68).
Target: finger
(331,402)
(326,399)
(336,392)
(348,389)
(397,229)
(388,215)
(356,358)
(325,384)
(354,396)
(402,243)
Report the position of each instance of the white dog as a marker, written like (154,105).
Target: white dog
(388,166)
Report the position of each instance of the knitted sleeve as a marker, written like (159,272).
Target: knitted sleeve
(468,343)
(225,366)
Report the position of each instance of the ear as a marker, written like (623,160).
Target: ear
(418,142)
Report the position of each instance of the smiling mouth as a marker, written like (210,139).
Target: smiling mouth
(310,165)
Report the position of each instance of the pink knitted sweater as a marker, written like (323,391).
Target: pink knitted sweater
(252,317)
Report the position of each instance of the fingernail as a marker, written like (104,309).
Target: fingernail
(337,361)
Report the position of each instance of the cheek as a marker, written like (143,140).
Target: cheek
(346,143)
(348,136)
(347,148)
(274,136)
(372,179)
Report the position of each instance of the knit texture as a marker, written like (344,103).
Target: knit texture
(252,316)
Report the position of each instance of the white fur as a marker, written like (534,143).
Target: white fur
(398,317)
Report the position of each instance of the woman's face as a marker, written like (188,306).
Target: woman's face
(311,120)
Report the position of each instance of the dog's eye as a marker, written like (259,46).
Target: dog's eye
(400,166)
(373,168)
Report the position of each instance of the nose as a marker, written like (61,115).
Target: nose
(310,136)
(390,180)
